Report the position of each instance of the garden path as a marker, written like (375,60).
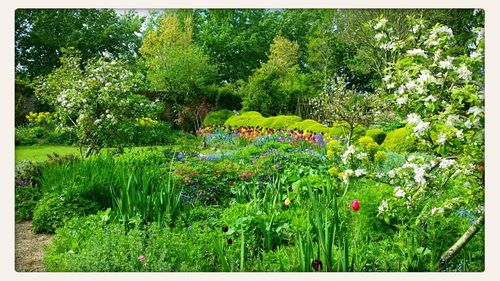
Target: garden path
(29,248)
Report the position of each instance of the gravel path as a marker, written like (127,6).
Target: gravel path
(29,248)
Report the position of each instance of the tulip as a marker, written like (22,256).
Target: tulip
(225,228)
(317,265)
(229,241)
(355,204)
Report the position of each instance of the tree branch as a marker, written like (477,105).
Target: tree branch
(451,252)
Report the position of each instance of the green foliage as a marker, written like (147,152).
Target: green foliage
(311,126)
(400,140)
(167,52)
(95,243)
(54,208)
(376,134)
(368,145)
(97,101)
(279,122)
(27,171)
(247,119)
(27,197)
(275,87)
(42,33)
(217,118)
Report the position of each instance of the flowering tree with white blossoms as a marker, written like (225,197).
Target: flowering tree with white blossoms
(438,88)
(96,100)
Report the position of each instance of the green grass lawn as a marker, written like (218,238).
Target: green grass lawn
(40,152)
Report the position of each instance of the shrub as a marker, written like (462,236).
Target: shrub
(400,140)
(27,171)
(279,122)
(368,145)
(216,118)
(27,197)
(30,135)
(311,125)
(53,209)
(376,134)
(96,243)
(247,119)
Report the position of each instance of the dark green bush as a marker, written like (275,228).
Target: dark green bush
(27,197)
(400,140)
(217,118)
(31,135)
(54,208)
(376,134)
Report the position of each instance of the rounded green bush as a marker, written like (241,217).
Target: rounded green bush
(279,122)
(400,140)
(217,118)
(310,125)
(247,119)
(53,209)
(376,134)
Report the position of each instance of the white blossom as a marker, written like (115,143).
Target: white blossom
(475,110)
(359,172)
(445,163)
(437,210)
(419,175)
(388,46)
(441,138)
(402,100)
(464,72)
(380,23)
(447,63)
(459,134)
(398,192)
(383,206)
(468,124)
(413,118)
(361,155)
(425,76)
(430,98)
(380,35)
(417,52)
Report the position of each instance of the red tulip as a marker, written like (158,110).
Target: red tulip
(355,204)
(229,241)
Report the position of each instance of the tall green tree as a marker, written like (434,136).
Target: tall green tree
(42,33)
(177,69)
(236,40)
(275,87)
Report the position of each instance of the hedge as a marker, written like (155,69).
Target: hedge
(400,140)
(216,118)
(376,134)
(247,119)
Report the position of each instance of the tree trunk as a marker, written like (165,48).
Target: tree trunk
(451,252)
(88,152)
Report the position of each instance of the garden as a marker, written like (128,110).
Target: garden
(244,140)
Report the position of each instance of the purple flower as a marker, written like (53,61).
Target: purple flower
(142,258)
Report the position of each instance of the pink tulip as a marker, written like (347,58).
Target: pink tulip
(355,204)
